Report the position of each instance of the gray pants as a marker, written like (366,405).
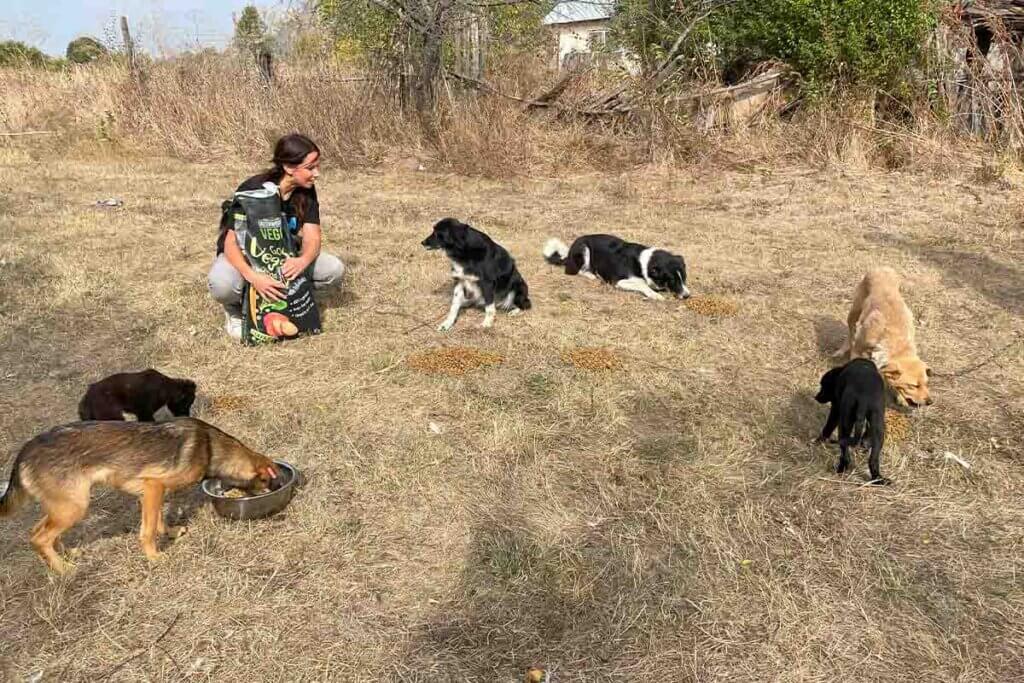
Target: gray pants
(226,282)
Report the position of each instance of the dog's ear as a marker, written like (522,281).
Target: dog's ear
(828,385)
(680,266)
(892,370)
(472,240)
(182,397)
(444,231)
(187,389)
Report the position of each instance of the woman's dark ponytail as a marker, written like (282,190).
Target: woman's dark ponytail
(291,150)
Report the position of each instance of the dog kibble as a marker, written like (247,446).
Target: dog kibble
(452,360)
(712,306)
(227,403)
(897,426)
(592,359)
(242,493)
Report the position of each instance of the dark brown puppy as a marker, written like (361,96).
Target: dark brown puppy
(139,393)
(59,467)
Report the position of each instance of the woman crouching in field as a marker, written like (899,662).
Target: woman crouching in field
(296,168)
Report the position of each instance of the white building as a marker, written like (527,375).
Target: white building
(582,30)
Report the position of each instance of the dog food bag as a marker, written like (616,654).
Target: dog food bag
(263,236)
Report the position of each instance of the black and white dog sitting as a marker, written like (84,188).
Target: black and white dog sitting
(485,274)
(627,265)
(857,394)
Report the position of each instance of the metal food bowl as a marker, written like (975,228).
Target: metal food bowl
(256,506)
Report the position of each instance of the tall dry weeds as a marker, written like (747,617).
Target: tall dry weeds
(212,106)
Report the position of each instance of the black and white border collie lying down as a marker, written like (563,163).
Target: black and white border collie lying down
(485,274)
(627,265)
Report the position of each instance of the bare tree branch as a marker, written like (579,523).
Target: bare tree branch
(500,3)
(538,104)
(664,70)
(673,52)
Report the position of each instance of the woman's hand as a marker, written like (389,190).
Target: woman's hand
(268,287)
(293,267)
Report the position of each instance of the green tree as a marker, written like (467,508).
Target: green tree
(417,35)
(85,49)
(361,29)
(251,32)
(17,54)
(516,27)
(829,43)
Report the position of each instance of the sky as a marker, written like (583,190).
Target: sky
(158,26)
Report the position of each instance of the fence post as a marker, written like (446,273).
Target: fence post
(129,48)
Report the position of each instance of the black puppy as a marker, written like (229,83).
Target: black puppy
(485,274)
(140,393)
(627,265)
(857,394)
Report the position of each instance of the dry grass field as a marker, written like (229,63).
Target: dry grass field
(660,516)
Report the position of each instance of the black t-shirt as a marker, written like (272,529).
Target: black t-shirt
(311,212)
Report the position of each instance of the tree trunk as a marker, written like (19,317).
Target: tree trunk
(265,64)
(426,72)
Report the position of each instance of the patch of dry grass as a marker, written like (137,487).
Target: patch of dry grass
(668,521)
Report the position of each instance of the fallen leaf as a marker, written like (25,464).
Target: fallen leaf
(536,675)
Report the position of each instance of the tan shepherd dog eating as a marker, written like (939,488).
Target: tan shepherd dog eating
(881,329)
(59,467)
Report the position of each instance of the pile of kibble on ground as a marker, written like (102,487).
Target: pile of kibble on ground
(712,305)
(227,403)
(452,360)
(897,426)
(599,358)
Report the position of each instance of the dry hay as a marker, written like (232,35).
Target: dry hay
(672,478)
(712,305)
(596,358)
(452,360)
(897,426)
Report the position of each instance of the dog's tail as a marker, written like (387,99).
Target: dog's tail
(860,422)
(555,251)
(14,495)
